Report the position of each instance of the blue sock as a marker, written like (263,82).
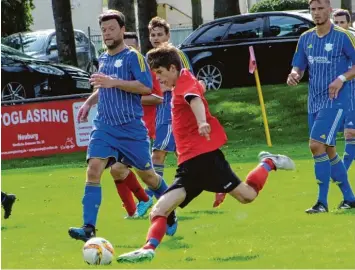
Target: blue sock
(161,188)
(159,169)
(349,154)
(340,177)
(91,203)
(322,171)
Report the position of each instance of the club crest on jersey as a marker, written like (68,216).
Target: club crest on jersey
(328,47)
(118,63)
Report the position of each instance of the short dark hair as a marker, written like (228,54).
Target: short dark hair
(343,12)
(164,56)
(159,22)
(311,1)
(131,35)
(112,14)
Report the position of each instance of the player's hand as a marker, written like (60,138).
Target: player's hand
(203,84)
(83,113)
(335,87)
(293,78)
(100,80)
(204,129)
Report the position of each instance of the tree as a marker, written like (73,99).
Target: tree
(16,16)
(127,8)
(196,13)
(346,4)
(64,32)
(224,8)
(147,9)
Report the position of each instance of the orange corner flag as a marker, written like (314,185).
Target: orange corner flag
(254,69)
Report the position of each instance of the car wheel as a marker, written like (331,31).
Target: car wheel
(211,74)
(13,91)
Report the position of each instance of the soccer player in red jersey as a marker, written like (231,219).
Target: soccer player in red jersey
(201,164)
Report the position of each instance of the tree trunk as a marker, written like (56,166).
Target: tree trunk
(196,13)
(64,32)
(346,4)
(224,8)
(147,9)
(127,8)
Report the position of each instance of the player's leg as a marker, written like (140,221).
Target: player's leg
(247,191)
(349,134)
(163,143)
(119,173)
(7,201)
(322,135)
(99,156)
(180,193)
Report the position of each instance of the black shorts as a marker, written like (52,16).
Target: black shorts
(209,171)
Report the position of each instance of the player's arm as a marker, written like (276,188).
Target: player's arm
(299,64)
(151,100)
(93,98)
(199,110)
(349,51)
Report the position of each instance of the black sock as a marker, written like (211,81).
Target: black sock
(171,218)
(3,197)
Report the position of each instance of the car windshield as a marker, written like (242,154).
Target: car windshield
(12,52)
(31,42)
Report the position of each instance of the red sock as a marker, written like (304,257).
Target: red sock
(132,183)
(126,197)
(257,177)
(156,232)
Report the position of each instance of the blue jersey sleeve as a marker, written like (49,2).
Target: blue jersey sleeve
(300,57)
(349,46)
(185,62)
(140,70)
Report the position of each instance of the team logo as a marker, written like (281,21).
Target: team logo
(118,63)
(310,46)
(328,47)
(323,137)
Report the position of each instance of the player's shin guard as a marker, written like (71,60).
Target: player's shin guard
(126,196)
(257,177)
(322,171)
(340,177)
(91,203)
(156,232)
(349,154)
(162,186)
(132,183)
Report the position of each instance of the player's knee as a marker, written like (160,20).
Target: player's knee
(94,171)
(349,134)
(157,211)
(158,157)
(119,171)
(316,147)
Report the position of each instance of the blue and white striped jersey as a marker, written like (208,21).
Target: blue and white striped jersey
(164,109)
(326,57)
(115,106)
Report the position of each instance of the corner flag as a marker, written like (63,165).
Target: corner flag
(254,69)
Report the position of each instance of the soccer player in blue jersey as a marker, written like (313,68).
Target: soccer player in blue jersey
(119,134)
(327,51)
(342,18)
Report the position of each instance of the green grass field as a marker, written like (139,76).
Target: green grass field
(272,232)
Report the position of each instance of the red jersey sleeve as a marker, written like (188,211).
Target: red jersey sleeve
(189,86)
(156,87)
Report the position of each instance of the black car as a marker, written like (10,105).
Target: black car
(219,50)
(23,76)
(42,44)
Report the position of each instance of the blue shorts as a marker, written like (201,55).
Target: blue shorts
(349,121)
(324,125)
(164,138)
(127,143)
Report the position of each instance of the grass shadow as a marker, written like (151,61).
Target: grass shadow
(237,258)
(207,212)
(349,212)
(128,246)
(175,243)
